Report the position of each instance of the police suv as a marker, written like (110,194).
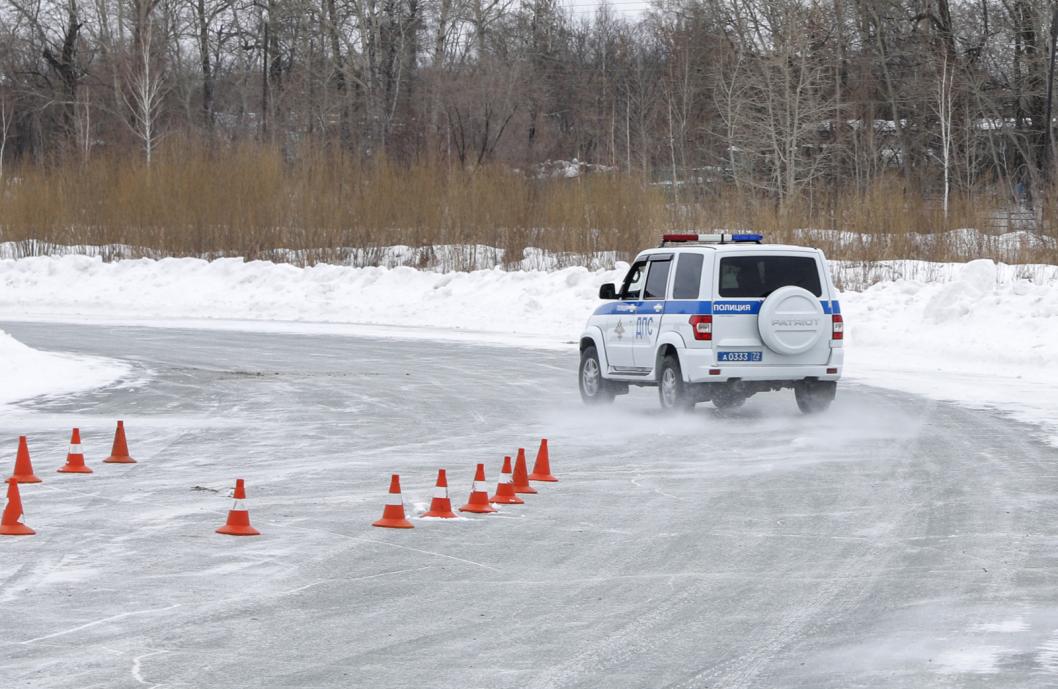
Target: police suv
(717,317)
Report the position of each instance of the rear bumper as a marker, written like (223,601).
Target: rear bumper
(697,364)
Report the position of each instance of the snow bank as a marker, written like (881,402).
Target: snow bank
(978,333)
(27,372)
(983,335)
(510,305)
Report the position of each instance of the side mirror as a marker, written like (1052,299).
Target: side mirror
(607,291)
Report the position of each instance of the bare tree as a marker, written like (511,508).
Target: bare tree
(7,117)
(789,99)
(944,117)
(145,96)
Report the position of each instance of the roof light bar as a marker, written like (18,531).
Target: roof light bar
(715,238)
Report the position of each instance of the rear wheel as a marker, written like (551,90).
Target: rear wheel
(724,398)
(594,389)
(814,397)
(673,393)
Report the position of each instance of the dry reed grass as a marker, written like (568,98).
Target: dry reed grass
(327,206)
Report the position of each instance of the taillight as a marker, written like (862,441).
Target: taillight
(839,327)
(702,327)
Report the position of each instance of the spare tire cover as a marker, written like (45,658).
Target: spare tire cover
(791,320)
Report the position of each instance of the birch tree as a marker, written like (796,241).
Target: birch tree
(144,96)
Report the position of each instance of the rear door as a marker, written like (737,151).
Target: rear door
(795,328)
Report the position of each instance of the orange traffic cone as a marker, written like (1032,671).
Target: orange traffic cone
(393,514)
(521,476)
(505,489)
(9,524)
(441,505)
(479,496)
(542,467)
(119,454)
(238,523)
(23,467)
(75,457)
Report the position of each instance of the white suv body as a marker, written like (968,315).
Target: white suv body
(717,317)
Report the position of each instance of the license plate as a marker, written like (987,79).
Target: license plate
(739,356)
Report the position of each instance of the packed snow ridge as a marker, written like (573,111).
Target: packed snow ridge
(980,333)
(27,372)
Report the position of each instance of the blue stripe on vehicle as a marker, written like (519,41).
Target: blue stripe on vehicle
(610,308)
(677,307)
(688,307)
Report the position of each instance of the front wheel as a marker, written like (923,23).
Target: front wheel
(673,393)
(594,389)
(814,397)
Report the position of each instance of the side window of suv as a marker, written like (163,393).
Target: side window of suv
(688,276)
(632,288)
(657,279)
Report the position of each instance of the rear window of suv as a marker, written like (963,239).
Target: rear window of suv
(755,277)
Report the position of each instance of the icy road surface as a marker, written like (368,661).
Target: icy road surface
(894,542)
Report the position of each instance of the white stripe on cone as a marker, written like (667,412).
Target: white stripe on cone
(238,506)
(440,492)
(394,499)
(479,487)
(75,449)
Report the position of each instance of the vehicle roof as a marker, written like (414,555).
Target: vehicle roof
(732,247)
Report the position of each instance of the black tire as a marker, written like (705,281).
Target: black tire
(594,389)
(673,393)
(815,397)
(726,399)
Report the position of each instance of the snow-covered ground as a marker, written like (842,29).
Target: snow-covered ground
(893,543)
(979,333)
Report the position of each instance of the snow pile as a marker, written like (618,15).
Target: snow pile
(513,306)
(984,337)
(859,275)
(27,372)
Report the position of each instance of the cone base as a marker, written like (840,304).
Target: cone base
(24,478)
(394,523)
(441,508)
(238,531)
(16,530)
(119,460)
(478,509)
(506,500)
(543,477)
(73,469)
(442,511)
(526,489)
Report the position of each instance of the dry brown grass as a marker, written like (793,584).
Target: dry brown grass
(248,201)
